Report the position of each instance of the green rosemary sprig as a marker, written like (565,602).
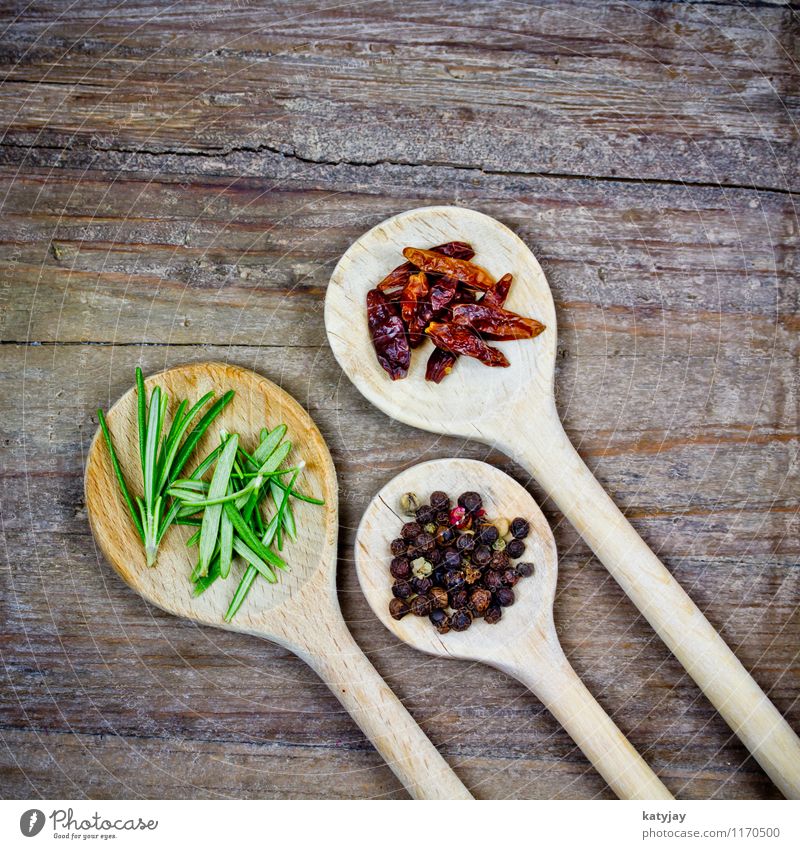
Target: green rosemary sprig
(162,458)
(227,511)
(242,531)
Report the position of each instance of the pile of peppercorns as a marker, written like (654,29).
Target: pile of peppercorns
(452,564)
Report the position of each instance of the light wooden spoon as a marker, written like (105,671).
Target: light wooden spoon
(514,409)
(301,611)
(524,643)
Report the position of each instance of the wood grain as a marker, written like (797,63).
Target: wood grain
(158,207)
(645,90)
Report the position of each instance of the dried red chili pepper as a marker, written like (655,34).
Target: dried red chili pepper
(464,271)
(495,322)
(461,340)
(440,364)
(388,335)
(457,250)
(497,297)
(416,288)
(415,308)
(398,277)
(443,292)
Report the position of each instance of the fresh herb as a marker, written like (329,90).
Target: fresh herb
(229,511)
(209,530)
(162,457)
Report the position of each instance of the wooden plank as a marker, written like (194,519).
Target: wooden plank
(734,447)
(169,261)
(639,91)
(103,668)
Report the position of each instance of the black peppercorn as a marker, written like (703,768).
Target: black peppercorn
(398,546)
(452,559)
(411,530)
(505,596)
(500,561)
(493,580)
(465,542)
(480,600)
(443,517)
(453,579)
(426,514)
(439,598)
(402,589)
(515,549)
(444,535)
(440,500)
(461,620)
(482,555)
(424,542)
(470,501)
(459,599)
(440,620)
(493,614)
(487,534)
(400,568)
(397,608)
(519,528)
(422,585)
(437,616)
(421,605)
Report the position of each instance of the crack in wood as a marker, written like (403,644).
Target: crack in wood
(232,150)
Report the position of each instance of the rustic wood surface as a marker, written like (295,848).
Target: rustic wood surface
(178,182)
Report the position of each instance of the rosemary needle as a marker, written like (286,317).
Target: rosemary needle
(162,455)
(118,472)
(209,530)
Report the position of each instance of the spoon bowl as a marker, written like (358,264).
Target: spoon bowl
(257,403)
(524,643)
(472,395)
(531,614)
(514,409)
(301,611)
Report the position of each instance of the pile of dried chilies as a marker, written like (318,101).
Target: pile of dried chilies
(440,294)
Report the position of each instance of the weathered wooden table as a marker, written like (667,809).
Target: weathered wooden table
(178,182)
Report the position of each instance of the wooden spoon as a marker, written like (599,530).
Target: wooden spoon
(524,643)
(514,409)
(301,611)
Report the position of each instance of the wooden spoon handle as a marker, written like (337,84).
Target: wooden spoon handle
(336,657)
(553,461)
(547,673)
